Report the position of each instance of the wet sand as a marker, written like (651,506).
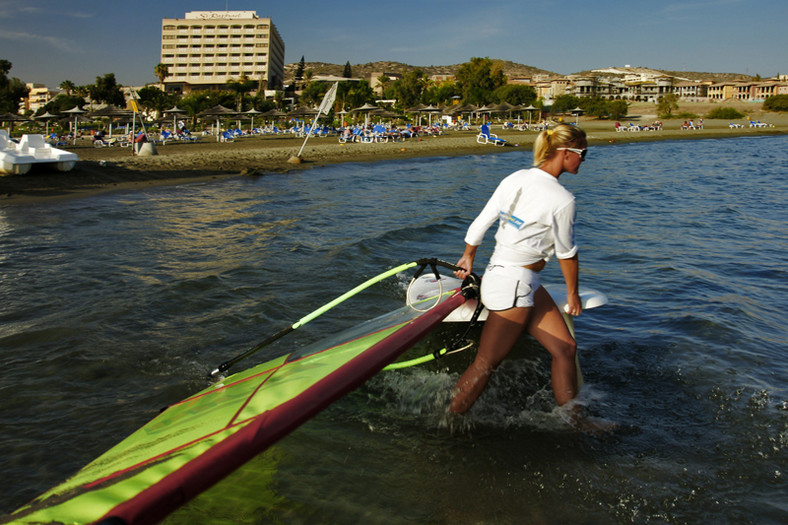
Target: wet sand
(110,168)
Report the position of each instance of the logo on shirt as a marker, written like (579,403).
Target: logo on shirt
(508,217)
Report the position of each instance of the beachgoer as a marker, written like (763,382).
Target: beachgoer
(536,217)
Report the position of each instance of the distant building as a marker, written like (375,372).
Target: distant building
(374,80)
(441,78)
(39,96)
(206,49)
(691,91)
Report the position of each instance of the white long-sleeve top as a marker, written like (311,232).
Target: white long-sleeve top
(536,219)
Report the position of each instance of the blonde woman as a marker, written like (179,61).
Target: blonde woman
(536,217)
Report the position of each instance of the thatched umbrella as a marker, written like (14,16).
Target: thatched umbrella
(366,108)
(431,110)
(275,114)
(46,117)
(112,112)
(304,112)
(529,108)
(485,109)
(174,111)
(383,113)
(11,118)
(217,111)
(577,112)
(252,112)
(459,110)
(75,111)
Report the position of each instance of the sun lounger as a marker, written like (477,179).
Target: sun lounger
(485,137)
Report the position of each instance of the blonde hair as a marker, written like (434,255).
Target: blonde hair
(549,140)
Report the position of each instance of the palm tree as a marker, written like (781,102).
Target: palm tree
(68,86)
(240,87)
(162,71)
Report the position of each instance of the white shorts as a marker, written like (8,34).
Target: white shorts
(505,287)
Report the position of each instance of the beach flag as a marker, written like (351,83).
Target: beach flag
(134,106)
(328,103)
(328,99)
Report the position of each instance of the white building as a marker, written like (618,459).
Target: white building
(206,49)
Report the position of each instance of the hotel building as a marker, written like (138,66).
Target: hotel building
(206,49)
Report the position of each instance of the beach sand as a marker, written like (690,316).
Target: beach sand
(106,169)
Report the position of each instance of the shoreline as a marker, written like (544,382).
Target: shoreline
(114,168)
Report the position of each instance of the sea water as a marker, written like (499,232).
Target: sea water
(116,305)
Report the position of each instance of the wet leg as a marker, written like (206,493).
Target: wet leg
(500,333)
(547,326)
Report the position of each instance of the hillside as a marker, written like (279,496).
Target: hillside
(511,69)
(365,70)
(683,75)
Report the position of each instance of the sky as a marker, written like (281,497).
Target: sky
(48,41)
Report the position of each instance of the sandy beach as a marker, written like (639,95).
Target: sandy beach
(110,168)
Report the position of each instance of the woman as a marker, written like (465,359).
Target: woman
(536,216)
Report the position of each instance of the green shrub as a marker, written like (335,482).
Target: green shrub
(776,103)
(724,114)
(685,116)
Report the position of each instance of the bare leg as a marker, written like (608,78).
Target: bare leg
(500,333)
(547,326)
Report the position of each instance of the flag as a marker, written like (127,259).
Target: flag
(328,99)
(134,106)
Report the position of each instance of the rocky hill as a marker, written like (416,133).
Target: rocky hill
(511,69)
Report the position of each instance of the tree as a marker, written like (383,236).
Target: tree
(347,73)
(68,86)
(355,94)
(618,109)
(667,104)
(61,103)
(776,103)
(478,79)
(162,71)
(725,114)
(564,104)
(155,99)
(602,108)
(516,94)
(313,93)
(12,90)
(299,74)
(409,89)
(439,93)
(260,103)
(384,81)
(240,87)
(107,90)
(197,101)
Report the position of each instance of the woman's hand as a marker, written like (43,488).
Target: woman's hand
(574,306)
(466,262)
(466,267)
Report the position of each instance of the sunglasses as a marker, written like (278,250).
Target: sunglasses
(581,152)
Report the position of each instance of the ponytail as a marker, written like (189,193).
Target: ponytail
(549,140)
